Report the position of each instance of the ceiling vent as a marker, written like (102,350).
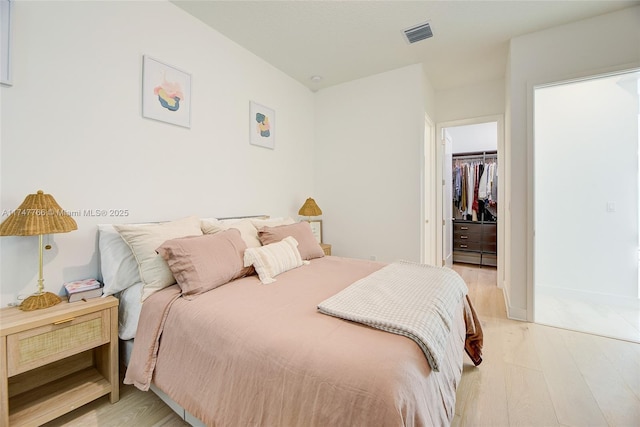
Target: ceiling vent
(418,32)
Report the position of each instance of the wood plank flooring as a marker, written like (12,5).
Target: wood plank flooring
(135,408)
(532,375)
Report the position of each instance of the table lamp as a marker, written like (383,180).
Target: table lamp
(310,208)
(39,214)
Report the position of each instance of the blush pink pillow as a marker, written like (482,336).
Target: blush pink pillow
(308,246)
(202,263)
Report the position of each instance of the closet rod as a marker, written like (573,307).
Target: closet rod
(475,153)
(475,156)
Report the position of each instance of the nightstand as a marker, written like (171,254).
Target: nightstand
(56,359)
(326,248)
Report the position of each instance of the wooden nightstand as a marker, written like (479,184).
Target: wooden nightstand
(326,248)
(56,359)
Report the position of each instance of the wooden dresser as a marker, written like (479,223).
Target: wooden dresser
(475,242)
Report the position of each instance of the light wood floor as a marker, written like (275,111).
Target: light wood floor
(532,375)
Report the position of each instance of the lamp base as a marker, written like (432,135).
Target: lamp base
(38,301)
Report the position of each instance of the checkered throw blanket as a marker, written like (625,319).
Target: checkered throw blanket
(415,300)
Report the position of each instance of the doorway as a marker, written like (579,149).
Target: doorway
(481,137)
(586,205)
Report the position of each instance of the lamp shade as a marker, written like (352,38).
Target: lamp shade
(310,208)
(38,214)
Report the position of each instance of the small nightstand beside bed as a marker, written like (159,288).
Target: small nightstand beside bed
(229,349)
(57,359)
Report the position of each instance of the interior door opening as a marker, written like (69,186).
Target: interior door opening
(470,208)
(586,206)
(470,226)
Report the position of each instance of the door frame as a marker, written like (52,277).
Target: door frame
(427,246)
(502,182)
(447,223)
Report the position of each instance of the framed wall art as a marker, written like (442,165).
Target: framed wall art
(316,228)
(5,42)
(166,93)
(262,125)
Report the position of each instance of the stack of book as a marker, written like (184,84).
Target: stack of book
(83,289)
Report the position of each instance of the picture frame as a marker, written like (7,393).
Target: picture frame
(166,93)
(262,125)
(6,7)
(316,228)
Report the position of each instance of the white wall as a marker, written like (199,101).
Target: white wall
(72,126)
(465,102)
(586,158)
(369,137)
(567,51)
(472,138)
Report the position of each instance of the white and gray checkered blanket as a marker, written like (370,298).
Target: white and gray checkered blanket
(415,300)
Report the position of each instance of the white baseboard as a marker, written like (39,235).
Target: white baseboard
(513,313)
(590,297)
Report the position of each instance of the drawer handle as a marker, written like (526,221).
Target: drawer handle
(464,228)
(464,237)
(463,246)
(59,322)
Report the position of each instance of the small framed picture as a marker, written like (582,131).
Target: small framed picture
(262,122)
(5,42)
(166,93)
(316,228)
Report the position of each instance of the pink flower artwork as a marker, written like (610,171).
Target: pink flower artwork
(169,94)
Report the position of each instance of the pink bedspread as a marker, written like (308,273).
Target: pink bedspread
(253,354)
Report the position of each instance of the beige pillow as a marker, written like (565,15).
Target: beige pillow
(271,222)
(273,259)
(307,244)
(145,239)
(202,263)
(247,231)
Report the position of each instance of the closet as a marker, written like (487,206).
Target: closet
(475,207)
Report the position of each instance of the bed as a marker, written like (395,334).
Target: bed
(249,353)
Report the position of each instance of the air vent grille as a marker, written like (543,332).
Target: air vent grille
(418,32)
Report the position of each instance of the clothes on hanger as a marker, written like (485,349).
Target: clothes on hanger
(475,187)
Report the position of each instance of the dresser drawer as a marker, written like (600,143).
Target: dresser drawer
(467,246)
(464,236)
(45,344)
(489,229)
(489,238)
(468,227)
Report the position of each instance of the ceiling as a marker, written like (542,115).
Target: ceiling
(347,40)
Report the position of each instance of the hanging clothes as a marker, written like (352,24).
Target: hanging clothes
(475,187)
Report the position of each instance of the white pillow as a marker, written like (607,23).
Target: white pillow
(145,239)
(117,264)
(247,231)
(129,311)
(273,259)
(271,222)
